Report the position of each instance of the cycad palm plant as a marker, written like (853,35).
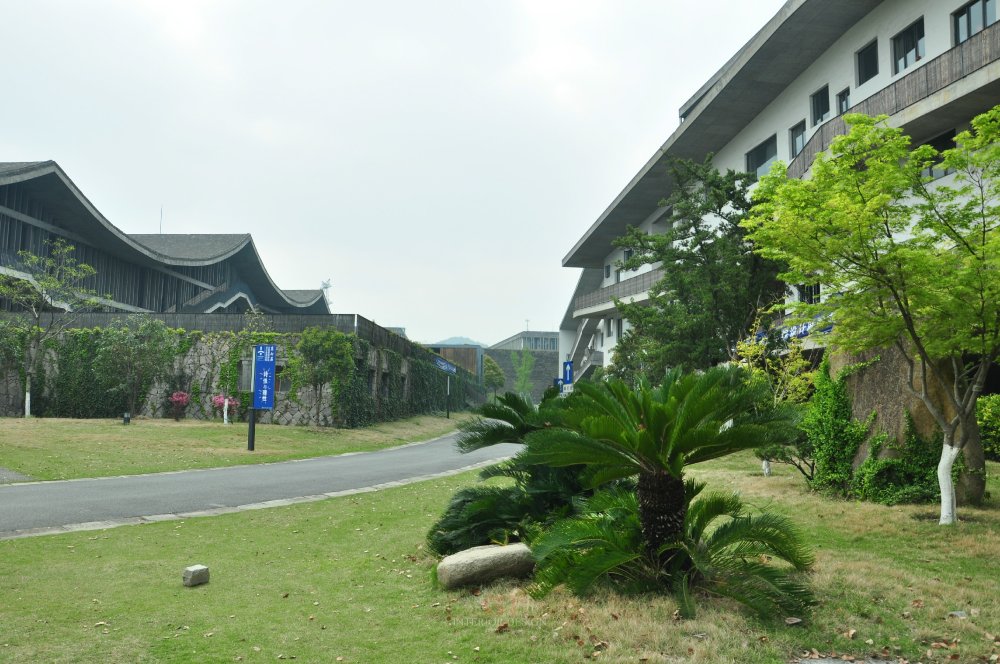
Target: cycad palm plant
(725,550)
(655,433)
(539,495)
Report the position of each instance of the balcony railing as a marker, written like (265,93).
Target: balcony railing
(622,289)
(949,67)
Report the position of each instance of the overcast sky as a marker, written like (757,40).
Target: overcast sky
(434,160)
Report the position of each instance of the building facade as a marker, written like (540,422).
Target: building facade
(929,65)
(174,273)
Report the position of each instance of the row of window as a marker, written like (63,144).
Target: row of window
(618,273)
(907,48)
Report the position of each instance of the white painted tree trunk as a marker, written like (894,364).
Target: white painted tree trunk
(766,467)
(225,410)
(947,462)
(27,402)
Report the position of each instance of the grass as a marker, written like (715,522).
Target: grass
(350,578)
(59,449)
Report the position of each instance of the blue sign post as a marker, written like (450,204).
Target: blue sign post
(568,372)
(450,369)
(263,385)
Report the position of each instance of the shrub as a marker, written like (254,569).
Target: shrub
(178,403)
(219,403)
(988,415)
(833,435)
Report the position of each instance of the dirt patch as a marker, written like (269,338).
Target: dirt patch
(9,476)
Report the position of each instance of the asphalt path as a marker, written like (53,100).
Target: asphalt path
(47,507)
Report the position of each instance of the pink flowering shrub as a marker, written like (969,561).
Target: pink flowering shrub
(219,402)
(178,403)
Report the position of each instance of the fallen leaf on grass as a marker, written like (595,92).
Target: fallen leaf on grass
(502,627)
(917,604)
(851,633)
(791,620)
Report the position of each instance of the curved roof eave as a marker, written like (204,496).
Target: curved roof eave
(780,51)
(112,239)
(256,275)
(122,244)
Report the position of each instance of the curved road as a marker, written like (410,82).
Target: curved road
(50,507)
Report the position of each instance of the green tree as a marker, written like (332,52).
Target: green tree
(49,296)
(132,354)
(524,363)
(656,433)
(326,358)
(493,375)
(714,283)
(909,263)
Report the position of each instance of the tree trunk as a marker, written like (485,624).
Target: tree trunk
(661,508)
(948,456)
(27,394)
(765,465)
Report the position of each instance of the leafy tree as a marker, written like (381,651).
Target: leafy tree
(11,344)
(790,374)
(326,358)
(725,549)
(656,433)
(49,298)
(909,263)
(714,283)
(524,363)
(493,375)
(132,354)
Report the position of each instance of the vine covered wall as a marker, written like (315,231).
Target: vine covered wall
(378,384)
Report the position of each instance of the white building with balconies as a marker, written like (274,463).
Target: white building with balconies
(930,65)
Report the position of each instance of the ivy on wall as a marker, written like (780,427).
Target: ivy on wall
(367,384)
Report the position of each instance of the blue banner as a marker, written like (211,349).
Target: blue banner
(263,376)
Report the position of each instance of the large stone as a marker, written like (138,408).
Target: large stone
(195,575)
(483,564)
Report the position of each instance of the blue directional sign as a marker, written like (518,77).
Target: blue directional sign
(445,365)
(263,375)
(568,372)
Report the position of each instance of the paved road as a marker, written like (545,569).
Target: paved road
(45,507)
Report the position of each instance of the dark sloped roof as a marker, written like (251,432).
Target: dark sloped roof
(11,167)
(188,246)
(81,220)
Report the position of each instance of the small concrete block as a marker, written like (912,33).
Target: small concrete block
(195,575)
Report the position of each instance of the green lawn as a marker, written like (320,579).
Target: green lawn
(349,578)
(59,449)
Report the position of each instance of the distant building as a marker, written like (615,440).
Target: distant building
(544,348)
(544,341)
(181,274)
(467,356)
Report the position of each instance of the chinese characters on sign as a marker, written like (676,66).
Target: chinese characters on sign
(263,376)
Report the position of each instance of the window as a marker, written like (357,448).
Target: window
(619,328)
(618,276)
(972,18)
(628,254)
(868,62)
(607,271)
(808,293)
(908,47)
(611,327)
(820,103)
(759,159)
(797,139)
(843,101)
